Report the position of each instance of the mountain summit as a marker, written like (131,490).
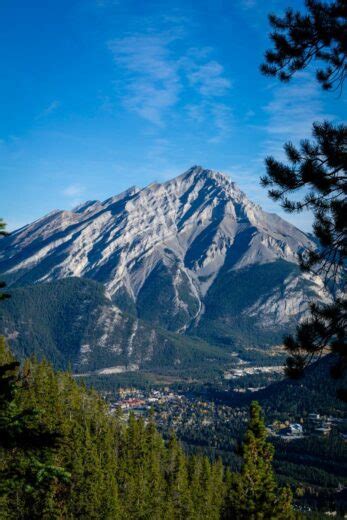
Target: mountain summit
(192,255)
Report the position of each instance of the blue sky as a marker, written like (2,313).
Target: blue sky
(99,95)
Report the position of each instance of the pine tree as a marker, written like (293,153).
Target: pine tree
(178,494)
(27,445)
(254,493)
(318,168)
(218,488)
(196,485)
(213,489)
(299,39)
(156,481)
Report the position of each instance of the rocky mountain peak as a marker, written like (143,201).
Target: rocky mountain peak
(198,175)
(166,243)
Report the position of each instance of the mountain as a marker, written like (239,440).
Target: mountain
(193,256)
(74,322)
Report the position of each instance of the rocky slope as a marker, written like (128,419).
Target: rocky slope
(192,255)
(73,322)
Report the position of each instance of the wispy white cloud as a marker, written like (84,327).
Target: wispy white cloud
(196,112)
(153,82)
(214,115)
(222,117)
(208,78)
(157,80)
(74,193)
(73,190)
(291,112)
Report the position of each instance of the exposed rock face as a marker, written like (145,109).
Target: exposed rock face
(171,253)
(72,322)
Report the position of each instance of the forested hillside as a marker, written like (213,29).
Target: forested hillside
(79,461)
(72,322)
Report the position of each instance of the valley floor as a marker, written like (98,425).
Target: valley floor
(311,448)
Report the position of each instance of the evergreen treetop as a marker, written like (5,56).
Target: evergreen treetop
(318,35)
(254,493)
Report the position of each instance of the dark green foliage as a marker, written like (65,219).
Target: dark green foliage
(317,168)
(242,288)
(320,168)
(254,492)
(27,443)
(3,295)
(47,318)
(53,320)
(18,426)
(326,326)
(317,465)
(157,298)
(102,467)
(2,228)
(50,319)
(297,398)
(116,470)
(124,302)
(232,292)
(319,34)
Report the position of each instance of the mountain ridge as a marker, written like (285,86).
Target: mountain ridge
(172,254)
